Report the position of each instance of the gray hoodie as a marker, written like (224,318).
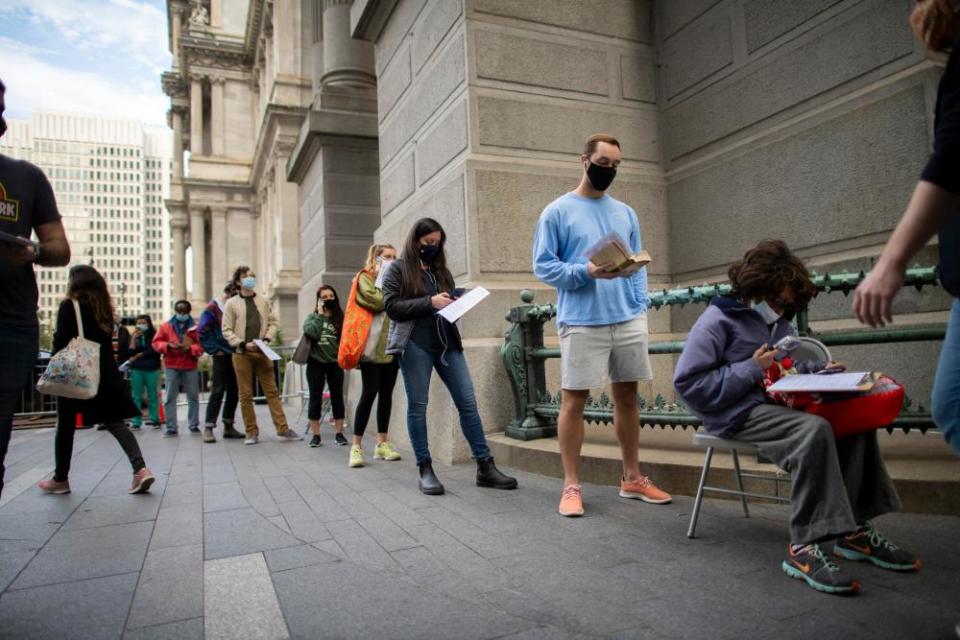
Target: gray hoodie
(716,375)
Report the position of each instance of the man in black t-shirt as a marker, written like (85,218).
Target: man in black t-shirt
(27,205)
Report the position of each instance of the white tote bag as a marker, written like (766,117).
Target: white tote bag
(73,372)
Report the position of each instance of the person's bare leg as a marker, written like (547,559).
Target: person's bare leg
(570,434)
(338,426)
(357,441)
(315,427)
(626,424)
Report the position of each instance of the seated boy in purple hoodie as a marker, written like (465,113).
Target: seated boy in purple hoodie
(838,485)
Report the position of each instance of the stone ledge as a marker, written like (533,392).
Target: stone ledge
(926,473)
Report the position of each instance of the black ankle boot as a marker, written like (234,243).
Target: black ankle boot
(429,483)
(489,476)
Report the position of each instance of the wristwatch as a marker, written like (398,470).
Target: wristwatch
(36,251)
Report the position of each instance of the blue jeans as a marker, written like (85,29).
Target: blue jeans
(174,379)
(417,366)
(946,384)
(19,348)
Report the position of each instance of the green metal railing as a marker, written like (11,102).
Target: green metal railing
(536,409)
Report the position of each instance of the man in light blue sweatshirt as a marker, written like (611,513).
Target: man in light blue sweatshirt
(601,316)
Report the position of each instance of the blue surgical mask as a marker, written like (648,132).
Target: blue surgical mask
(182,317)
(143,327)
(766,312)
(249,282)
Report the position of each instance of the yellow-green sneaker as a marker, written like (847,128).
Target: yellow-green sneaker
(385,451)
(356,456)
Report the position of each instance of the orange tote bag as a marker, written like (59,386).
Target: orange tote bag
(356,329)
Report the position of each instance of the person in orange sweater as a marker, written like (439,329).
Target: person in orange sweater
(178,342)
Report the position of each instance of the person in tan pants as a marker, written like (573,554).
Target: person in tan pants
(246,318)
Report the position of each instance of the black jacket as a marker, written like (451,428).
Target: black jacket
(943,168)
(404,312)
(113,402)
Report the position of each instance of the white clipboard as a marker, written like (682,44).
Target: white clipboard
(267,351)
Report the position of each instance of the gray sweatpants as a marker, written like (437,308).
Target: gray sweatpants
(837,484)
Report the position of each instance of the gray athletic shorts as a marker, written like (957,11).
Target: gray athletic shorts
(589,356)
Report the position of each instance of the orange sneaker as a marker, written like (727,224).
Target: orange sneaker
(571,504)
(643,489)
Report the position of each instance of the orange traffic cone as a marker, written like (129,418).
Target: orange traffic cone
(79,421)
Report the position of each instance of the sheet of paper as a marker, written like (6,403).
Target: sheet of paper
(813,383)
(462,305)
(9,237)
(267,351)
(124,367)
(384,268)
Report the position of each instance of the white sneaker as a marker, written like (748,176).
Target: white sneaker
(251,440)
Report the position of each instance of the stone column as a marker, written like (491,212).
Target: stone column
(216,13)
(198,241)
(178,227)
(347,62)
(175,26)
(218,249)
(217,114)
(177,117)
(196,115)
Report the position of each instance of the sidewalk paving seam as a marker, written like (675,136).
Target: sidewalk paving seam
(61,525)
(153,530)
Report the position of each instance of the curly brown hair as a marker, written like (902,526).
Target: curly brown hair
(766,270)
(936,23)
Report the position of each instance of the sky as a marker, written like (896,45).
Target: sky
(90,56)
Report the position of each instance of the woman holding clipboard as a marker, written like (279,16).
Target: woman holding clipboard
(416,287)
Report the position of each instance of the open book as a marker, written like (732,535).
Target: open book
(816,383)
(612,249)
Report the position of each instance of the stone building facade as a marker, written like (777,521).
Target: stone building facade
(238,95)
(739,119)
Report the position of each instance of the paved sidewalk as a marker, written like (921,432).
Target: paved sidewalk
(280,540)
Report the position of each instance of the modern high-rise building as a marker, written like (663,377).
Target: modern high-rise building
(110,177)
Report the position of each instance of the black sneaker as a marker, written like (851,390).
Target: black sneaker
(870,546)
(315,441)
(341,440)
(812,565)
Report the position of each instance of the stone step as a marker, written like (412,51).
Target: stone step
(923,467)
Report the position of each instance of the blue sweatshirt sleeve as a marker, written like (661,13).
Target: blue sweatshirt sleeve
(639,279)
(547,263)
(703,379)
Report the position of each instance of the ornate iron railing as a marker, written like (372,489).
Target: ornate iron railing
(536,409)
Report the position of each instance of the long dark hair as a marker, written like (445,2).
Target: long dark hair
(768,269)
(336,314)
(412,281)
(87,286)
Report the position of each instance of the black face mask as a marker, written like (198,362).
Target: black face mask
(329,305)
(3,127)
(428,252)
(600,177)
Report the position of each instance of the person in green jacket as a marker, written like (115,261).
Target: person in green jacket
(323,327)
(378,369)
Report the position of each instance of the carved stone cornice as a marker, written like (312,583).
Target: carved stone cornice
(173,84)
(254,20)
(208,52)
